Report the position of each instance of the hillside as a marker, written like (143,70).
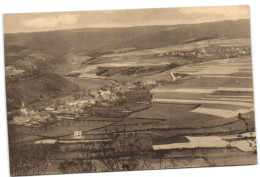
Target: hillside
(62,42)
(30,78)
(183,33)
(29,57)
(39,88)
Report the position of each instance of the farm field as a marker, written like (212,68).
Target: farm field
(194,106)
(158,57)
(210,94)
(184,103)
(129,90)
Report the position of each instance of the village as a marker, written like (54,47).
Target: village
(210,52)
(81,104)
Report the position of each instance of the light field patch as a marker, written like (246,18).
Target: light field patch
(221,112)
(229,96)
(202,102)
(235,89)
(184,90)
(229,99)
(227,76)
(208,142)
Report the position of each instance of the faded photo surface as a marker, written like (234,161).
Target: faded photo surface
(123,90)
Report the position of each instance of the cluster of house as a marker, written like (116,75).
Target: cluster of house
(208,52)
(106,95)
(189,54)
(71,109)
(12,71)
(29,117)
(232,52)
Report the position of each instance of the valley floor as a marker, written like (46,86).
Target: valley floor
(204,118)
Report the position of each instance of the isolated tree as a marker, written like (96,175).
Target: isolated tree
(81,164)
(77,165)
(251,143)
(126,151)
(30,159)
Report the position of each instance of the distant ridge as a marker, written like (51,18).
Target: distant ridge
(62,42)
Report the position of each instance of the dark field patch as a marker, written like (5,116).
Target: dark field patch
(164,111)
(179,116)
(169,139)
(223,106)
(60,128)
(218,82)
(172,95)
(134,121)
(233,93)
(243,74)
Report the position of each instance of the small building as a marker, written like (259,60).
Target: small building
(77,134)
(23,110)
(173,76)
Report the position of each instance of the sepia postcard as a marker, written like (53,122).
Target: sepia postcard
(124,90)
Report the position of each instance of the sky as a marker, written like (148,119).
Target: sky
(33,22)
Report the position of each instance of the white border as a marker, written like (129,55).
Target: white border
(16,6)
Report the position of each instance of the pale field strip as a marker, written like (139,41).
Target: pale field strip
(75,140)
(200,90)
(227,76)
(217,70)
(93,76)
(183,90)
(228,96)
(156,100)
(229,99)
(46,141)
(222,112)
(224,67)
(82,141)
(207,142)
(249,89)
(84,70)
(212,111)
